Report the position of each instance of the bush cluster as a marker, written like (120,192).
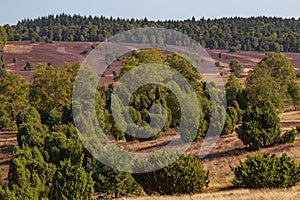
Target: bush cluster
(265,171)
(184,176)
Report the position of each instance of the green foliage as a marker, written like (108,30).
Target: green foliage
(288,137)
(236,67)
(184,176)
(294,92)
(265,171)
(6,193)
(261,126)
(255,33)
(218,120)
(31,132)
(51,90)
(3,71)
(29,175)
(239,111)
(298,128)
(29,66)
(56,147)
(231,121)
(102,113)
(13,98)
(233,88)
(281,68)
(147,96)
(185,68)
(3,38)
(115,73)
(273,79)
(71,182)
(110,182)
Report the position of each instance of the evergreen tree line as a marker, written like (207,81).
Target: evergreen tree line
(254,33)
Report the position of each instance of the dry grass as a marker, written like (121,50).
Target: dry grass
(228,151)
(19,49)
(289,120)
(292,116)
(231,195)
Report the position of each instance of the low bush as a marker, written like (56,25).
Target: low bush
(288,137)
(260,127)
(298,128)
(111,183)
(265,171)
(29,66)
(184,176)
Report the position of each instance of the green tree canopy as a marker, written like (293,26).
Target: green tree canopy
(236,67)
(273,79)
(3,38)
(233,88)
(29,175)
(260,126)
(13,98)
(31,131)
(235,33)
(71,182)
(51,90)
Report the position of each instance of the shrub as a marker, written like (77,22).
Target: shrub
(5,193)
(71,182)
(239,111)
(265,171)
(220,55)
(261,126)
(298,128)
(111,183)
(233,89)
(232,49)
(85,52)
(29,174)
(231,121)
(28,66)
(13,98)
(236,67)
(31,132)
(184,176)
(217,64)
(288,137)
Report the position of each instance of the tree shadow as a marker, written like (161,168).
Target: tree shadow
(229,153)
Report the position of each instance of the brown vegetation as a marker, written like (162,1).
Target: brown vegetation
(60,52)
